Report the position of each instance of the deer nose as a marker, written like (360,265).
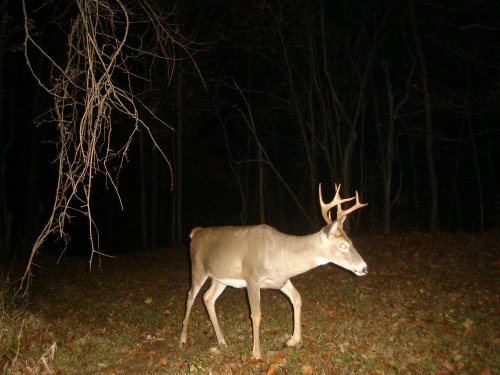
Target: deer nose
(362,272)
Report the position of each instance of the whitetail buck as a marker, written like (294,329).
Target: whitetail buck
(259,256)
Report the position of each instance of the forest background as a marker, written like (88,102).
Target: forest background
(246,107)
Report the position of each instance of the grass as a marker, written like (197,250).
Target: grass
(20,333)
(430,304)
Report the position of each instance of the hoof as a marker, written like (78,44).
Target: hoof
(294,343)
(257,357)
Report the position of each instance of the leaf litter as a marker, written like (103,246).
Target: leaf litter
(430,304)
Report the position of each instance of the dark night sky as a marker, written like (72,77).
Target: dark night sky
(282,56)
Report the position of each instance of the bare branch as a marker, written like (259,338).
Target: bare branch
(93,88)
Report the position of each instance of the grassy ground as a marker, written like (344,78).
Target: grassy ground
(430,304)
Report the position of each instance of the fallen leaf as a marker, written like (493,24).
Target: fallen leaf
(468,325)
(163,361)
(215,350)
(254,361)
(448,365)
(307,369)
(271,370)
(395,327)
(69,344)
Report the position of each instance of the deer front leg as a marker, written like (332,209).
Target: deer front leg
(254,299)
(289,290)
(209,297)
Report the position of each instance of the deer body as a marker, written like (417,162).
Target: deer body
(264,256)
(259,257)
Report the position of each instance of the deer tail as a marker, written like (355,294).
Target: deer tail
(193,231)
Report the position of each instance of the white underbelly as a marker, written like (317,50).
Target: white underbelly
(235,283)
(240,283)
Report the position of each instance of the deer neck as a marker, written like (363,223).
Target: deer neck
(303,254)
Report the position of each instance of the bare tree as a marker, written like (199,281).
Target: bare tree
(386,133)
(92,93)
(327,93)
(5,139)
(177,198)
(429,135)
(264,159)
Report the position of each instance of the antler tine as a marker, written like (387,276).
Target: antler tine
(337,201)
(341,213)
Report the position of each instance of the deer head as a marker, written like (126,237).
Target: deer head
(336,246)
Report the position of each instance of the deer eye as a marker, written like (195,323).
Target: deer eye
(343,246)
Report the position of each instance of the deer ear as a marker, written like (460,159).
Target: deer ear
(326,231)
(335,229)
(331,229)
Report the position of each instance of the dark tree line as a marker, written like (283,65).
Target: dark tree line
(383,97)
(398,100)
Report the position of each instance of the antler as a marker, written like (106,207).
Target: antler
(337,201)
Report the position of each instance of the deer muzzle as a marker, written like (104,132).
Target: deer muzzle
(362,271)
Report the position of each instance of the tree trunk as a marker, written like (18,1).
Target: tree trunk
(306,124)
(178,162)
(4,222)
(387,141)
(262,203)
(142,177)
(431,165)
(347,160)
(154,199)
(478,173)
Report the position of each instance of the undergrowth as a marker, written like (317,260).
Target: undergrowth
(23,335)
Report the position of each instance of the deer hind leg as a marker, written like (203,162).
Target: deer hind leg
(210,297)
(289,290)
(196,284)
(254,299)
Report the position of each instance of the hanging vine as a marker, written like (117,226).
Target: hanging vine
(92,88)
